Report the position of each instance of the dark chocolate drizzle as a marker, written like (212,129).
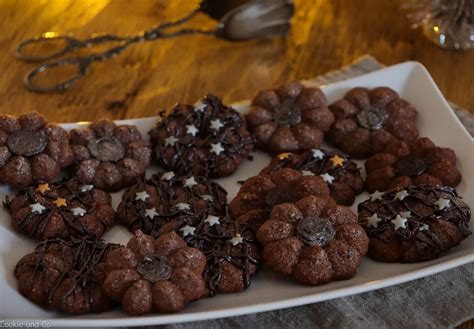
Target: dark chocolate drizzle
(388,208)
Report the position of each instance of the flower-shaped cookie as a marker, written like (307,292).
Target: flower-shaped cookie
(66,275)
(61,210)
(150,204)
(205,139)
(160,275)
(416,162)
(32,150)
(340,173)
(291,118)
(109,156)
(414,224)
(366,120)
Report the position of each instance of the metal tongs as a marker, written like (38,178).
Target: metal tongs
(254,19)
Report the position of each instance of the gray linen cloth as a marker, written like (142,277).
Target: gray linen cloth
(443,300)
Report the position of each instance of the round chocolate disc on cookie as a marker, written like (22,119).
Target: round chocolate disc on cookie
(27,142)
(106,149)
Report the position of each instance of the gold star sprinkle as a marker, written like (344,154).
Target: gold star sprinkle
(43,188)
(60,202)
(337,160)
(283,156)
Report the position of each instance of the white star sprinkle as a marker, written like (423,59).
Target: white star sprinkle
(207,197)
(192,130)
(141,196)
(307,173)
(217,148)
(183,206)
(400,195)
(78,211)
(317,154)
(37,208)
(424,227)
(170,141)
(199,106)
(442,203)
(216,124)
(187,230)
(237,239)
(327,178)
(373,221)
(86,188)
(151,213)
(212,220)
(190,182)
(376,196)
(405,214)
(168,176)
(399,222)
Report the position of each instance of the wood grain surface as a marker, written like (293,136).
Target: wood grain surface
(151,77)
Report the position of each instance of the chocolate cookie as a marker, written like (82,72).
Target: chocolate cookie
(229,247)
(66,275)
(207,139)
(154,275)
(61,210)
(304,233)
(414,224)
(109,156)
(150,204)
(32,150)
(336,168)
(290,118)
(417,162)
(366,120)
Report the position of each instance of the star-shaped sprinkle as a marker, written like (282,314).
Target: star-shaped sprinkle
(216,124)
(317,154)
(327,178)
(60,202)
(192,130)
(78,211)
(442,203)
(399,222)
(37,208)
(43,188)
(237,239)
(86,188)
(200,106)
(400,195)
(187,230)
(376,196)
(217,148)
(424,227)
(337,160)
(405,214)
(170,141)
(207,197)
(307,173)
(151,213)
(373,221)
(190,182)
(167,176)
(283,156)
(183,206)
(212,220)
(141,196)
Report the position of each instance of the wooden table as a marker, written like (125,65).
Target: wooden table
(151,77)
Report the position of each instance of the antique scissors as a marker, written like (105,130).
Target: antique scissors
(254,19)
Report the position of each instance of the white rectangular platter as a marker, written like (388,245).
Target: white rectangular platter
(268,290)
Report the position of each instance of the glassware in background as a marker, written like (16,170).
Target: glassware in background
(448,23)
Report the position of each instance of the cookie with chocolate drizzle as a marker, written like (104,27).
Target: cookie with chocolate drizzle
(150,204)
(414,223)
(66,275)
(61,210)
(340,172)
(205,139)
